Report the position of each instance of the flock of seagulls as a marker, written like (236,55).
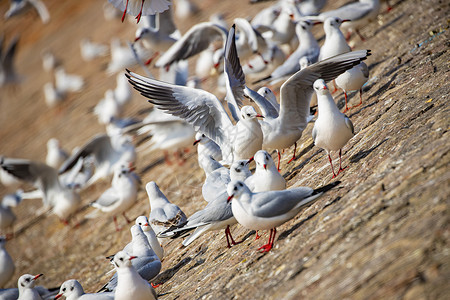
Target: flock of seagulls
(276,46)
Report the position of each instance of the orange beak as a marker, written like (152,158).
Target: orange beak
(58,296)
(132,257)
(37,276)
(229,198)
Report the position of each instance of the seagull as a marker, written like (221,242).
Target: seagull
(123,56)
(267,210)
(266,176)
(65,82)
(55,154)
(108,151)
(72,290)
(163,214)
(122,92)
(7,216)
(217,213)
(6,264)
(205,112)
(52,95)
(26,284)
(142,221)
(90,50)
(108,108)
(352,80)
(332,129)
(308,47)
(119,197)
(130,285)
(139,8)
(282,130)
(8,74)
(63,201)
(206,149)
(360,13)
(311,7)
(19,6)
(335,42)
(78,176)
(147,263)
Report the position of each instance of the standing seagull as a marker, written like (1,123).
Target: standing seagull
(266,177)
(6,264)
(267,210)
(130,284)
(139,8)
(332,129)
(142,221)
(163,214)
(26,284)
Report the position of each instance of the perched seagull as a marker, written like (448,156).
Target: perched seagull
(360,13)
(205,112)
(335,42)
(282,29)
(308,47)
(352,80)
(217,213)
(55,154)
(90,50)
(8,74)
(142,221)
(72,290)
(147,263)
(267,210)
(266,176)
(108,108)
(332,129)
(6,264)
(7,216)
(52,95)
(19,6)
(206,148)
(108,151)
(122,92)
(119,197)
(26,284)
(67,82)
(130,285)
(282,130)
(163,214)
(139,8)
(62,201)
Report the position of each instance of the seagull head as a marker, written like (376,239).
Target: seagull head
(304,25)
(200,138)
(320,87)
(70,288)
(235,189)
(334,22)
(239,168)
(123,260)
(27,280)
(263,159)
(142,221)
(249,113)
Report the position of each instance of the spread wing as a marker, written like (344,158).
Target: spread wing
(297,90)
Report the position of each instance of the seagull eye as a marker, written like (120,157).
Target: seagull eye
(248,115)
(237,170)
(64,289)
(304,28)
(235,189)
(240,184)
(71,288)
(242,163)
(121,259)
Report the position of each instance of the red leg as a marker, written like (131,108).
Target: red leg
(228,234)
(166,157)
(346,107)
(340,160)
(348,36)
(125,11)
(138,17)
(149,61)
(257,235)
(360,99)
(335,87)
(128,221)
(331,163)
(155,285)
(269,245)
(360,35)
(115,223)
(278,168)
(295,149)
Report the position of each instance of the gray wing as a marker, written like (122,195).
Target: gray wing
(198,107)
(193,42)
(235,78)
(349,124)
(216,211)
(108,198)
(99,146)
(275,203)
(297,90)
(354,10)
(267,109)
(216,184)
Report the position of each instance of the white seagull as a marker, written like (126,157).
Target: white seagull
(332,129)
(26,285)
(72,290)
(142,221)
(139,8)
(7,266)
(56,155)
(266,176)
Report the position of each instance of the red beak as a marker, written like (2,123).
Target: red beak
(325,87)
(250,160)
(137,38)
(37,276)
(132,257)
(58,296)
(317,23)
(196,142)
(265,167)
(146,224)
(216,65)
(259,116)
(229,198)
(346,20)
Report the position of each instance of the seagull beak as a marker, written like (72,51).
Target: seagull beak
(132,257)
(317,23)
(346,20)
(137,39)
(146,224)
(259,116)
(196,142)
(265,167)
(58,296)
(229,198)
(216,66)
(37,276)
(325,87)
(250,160)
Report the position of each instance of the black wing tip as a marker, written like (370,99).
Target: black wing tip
(262,79)
(326,188)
